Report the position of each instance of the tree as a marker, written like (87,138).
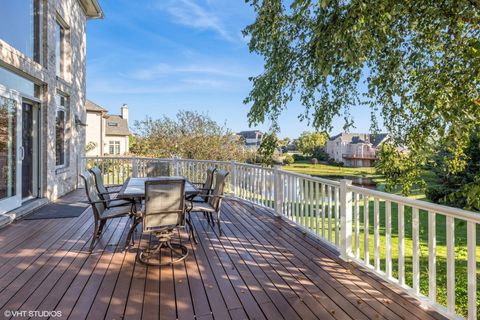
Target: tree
(310,142)
(268,147)
(417,63)
(461,189)
(190,135)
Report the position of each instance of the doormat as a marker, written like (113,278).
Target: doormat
(69,206)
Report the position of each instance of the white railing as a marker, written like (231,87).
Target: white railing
(408,242)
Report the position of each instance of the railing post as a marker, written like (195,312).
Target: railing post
(233,170)
(175,165)
(346,201)
(277,191)
(134,167)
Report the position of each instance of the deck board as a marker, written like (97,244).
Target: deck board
(261,267)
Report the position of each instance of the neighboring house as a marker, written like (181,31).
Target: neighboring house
(355,149)
(252,138)
(106,134)
(42,100)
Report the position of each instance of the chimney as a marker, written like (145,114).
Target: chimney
(124,110)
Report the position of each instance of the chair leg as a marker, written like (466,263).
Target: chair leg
(134,225)
(95,235)
(211,218)
(191,234)
(100,228)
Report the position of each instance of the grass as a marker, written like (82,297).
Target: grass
(329,170)
(334,172)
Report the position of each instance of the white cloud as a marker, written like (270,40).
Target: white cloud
(189,13)
(163,69)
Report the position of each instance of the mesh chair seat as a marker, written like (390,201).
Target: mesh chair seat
(115,212)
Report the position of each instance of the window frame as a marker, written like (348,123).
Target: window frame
(113,144)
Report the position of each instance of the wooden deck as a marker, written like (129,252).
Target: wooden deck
(261,268)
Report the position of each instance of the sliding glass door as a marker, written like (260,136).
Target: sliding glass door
(10,150)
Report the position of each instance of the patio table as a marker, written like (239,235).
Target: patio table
(135,188)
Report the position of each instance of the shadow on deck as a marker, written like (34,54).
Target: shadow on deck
(260,268)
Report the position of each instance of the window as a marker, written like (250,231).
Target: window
(113,124)
(60,49)
(20,26)
(114,147)
(61,130)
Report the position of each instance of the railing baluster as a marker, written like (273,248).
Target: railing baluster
(323,211)
(388,239)
(432,258)
(450,221)
(337,216)
(329,188)
(376,234)
(297,200)
(356,217)
(312,224)
(472,269)
(366,249)
(416,251)
(401,244)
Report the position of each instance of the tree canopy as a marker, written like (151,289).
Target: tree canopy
(309,142)
(416,63)
(190,135)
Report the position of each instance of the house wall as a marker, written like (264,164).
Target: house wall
(56,181)
(94,132)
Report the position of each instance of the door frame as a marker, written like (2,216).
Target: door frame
(10,203)
(36,146)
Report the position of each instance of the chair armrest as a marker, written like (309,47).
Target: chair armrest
(98,201)
(109,192)
(213,196)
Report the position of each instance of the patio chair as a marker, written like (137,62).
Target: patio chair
(107,195)
(100,207)
(211,204)
(163,213)
(204,188)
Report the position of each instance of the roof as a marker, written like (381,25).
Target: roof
(92,9)
(92,106)
(116,126)
(374,139)
(250,134)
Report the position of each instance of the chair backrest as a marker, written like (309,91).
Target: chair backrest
(164,203)
(97,173)
(157,169)
(218,190)
(92,194)
(207,186)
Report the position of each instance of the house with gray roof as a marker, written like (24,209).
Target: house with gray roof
(355,149)
(106,134)
(252,138)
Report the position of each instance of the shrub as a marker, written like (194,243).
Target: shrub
(288,159)
(299,157)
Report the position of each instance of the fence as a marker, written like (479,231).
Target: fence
(414,244)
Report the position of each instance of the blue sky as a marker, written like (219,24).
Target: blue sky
(161,56)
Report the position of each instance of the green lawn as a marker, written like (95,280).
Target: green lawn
(334,172)
(329,170)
